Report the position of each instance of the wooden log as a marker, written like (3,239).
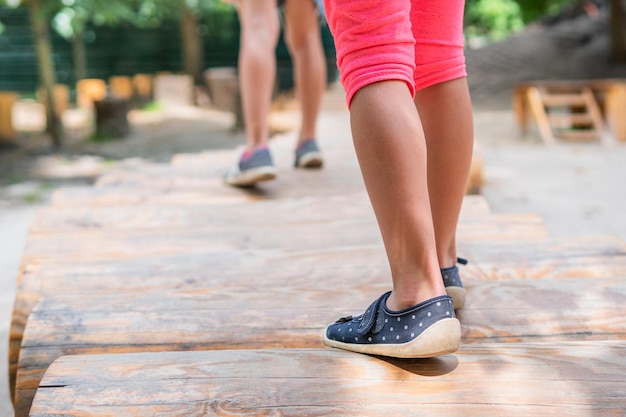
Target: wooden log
(239,317)
(7,129)
(112,118)
(88,91)
(214,237)
(142,89)
(172,90)
(148,216)
(569,379)
(121,87)
(330,267)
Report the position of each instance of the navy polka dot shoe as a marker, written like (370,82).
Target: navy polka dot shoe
(425,330)
(453,284)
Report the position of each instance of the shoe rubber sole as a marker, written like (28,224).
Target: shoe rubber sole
(442,338)
(458,296)
(252,176)
(311,160)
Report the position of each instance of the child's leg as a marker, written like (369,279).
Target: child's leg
(392,154)
(305,45)
(449,138)
(257,66)
(375,56)
(444,106)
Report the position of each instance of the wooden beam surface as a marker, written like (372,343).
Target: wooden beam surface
(569,379)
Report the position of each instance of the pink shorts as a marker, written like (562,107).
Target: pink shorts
(416,41)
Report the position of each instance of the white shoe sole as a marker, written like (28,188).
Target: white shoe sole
(252,176)
(458,296)
(311,160)
(442,338)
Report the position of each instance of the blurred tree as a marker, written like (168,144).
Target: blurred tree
(40,12)
(492,19)
(618,32)
(495,19)
(72,18)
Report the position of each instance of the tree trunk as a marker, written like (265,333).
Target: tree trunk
(80,56)
(192,45)
(618,32)
(39,22)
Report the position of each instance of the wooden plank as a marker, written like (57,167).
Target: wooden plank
(568,120)
(240,317)
(578,135)
(569,379)
(124,243)
(149,216)
(330,266)
(563,100)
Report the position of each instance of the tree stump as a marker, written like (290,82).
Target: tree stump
(112,118)
(89,91)
(7,132)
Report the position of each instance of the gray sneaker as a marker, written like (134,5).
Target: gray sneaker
(308,155)
(256,168)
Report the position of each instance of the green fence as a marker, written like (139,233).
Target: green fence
(127,50)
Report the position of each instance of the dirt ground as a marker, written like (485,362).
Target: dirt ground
(577,188)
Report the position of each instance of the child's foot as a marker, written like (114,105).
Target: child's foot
(308,155)
(425,330)
(453,284)
(251,169)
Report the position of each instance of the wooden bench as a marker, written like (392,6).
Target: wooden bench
(591,106)
(517,379)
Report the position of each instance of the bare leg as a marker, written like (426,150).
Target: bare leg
(449,140)
(257,66)
(391,149)
(304,40)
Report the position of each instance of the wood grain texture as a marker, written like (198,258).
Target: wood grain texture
(571,379)
(239,317)
(278,212)
(115,244)
(339,268)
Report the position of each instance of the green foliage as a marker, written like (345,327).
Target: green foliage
(492,19)
(534,9)
(496,19)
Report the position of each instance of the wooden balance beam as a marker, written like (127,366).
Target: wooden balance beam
(520,379)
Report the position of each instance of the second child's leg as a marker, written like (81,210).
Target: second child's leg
(257,66)
(257,71)
(304,40)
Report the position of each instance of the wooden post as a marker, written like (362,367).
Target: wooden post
(539,112)
(7,132)
(142,86)
(112,118)
(121,87)
(88,91)
(615,110)
(520,107)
